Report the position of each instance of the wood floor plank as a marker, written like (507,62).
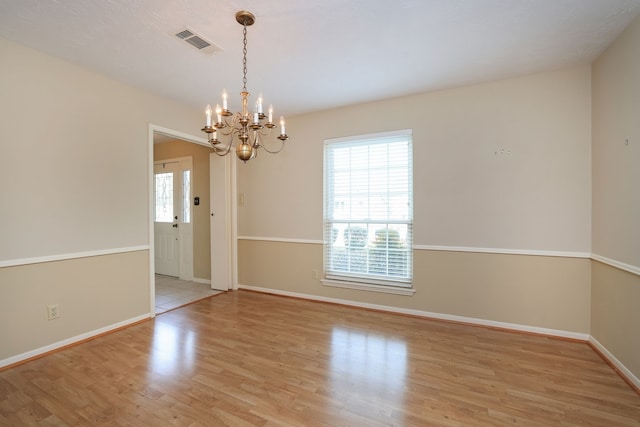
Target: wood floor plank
(248,359)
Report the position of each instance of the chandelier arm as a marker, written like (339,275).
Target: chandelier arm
(221,152)
(264,132)
(256,139)
(276,151)
(228,132)
(234,120)
(236,134)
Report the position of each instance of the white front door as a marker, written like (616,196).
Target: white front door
(167,201)
(173,225)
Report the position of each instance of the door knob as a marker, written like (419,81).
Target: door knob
(175,225)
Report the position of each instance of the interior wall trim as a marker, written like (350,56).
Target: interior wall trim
(562,254)
(74,255)
(42,351)
(617,264)
(280,239)
(429,315)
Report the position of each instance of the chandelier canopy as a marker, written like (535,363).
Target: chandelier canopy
(247,131)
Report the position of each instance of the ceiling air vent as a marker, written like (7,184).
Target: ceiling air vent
(196,41)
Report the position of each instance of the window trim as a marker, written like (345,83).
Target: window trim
(367,286)
(363,281)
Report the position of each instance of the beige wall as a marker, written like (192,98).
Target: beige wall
(535,200)
(200,183)
(615,319)
(616,165)
(74,179)
(91,293)
(74,162)
(539,292)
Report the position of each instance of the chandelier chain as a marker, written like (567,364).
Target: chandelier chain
(244,59)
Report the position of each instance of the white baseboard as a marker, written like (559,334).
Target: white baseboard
(78,338)
(615,362)
(427,314)
(419,313)
(203,281)
(623,370)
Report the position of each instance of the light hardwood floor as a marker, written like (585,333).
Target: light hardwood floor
(249,359)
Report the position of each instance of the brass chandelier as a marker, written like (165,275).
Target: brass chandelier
(249,131)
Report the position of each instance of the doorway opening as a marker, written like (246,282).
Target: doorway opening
(197,239)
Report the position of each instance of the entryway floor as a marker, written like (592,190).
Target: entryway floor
(172,292)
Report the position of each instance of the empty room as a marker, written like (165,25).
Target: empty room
(405,213)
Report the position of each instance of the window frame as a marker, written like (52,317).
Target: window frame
(366,280)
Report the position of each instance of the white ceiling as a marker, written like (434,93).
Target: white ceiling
(309,55)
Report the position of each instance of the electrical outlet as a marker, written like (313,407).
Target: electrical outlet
(53,311)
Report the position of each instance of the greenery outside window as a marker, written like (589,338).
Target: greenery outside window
(368,209)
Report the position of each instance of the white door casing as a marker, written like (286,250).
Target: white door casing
(220,215)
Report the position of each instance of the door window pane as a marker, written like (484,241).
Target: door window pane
(186,196)
(164,197)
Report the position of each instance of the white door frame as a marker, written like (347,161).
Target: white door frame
(232,219)
(220,170)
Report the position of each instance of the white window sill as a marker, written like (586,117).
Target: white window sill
(396,290)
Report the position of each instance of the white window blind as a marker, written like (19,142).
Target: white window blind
(368,208)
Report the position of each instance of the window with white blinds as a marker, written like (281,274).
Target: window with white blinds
(368,208)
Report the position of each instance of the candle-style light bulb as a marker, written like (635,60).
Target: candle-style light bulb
(282,131)
(219,113)
(224,100)
(256,118)
(260,104)
(208,112)
(270,113)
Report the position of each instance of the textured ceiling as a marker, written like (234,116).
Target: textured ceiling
(309,55)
